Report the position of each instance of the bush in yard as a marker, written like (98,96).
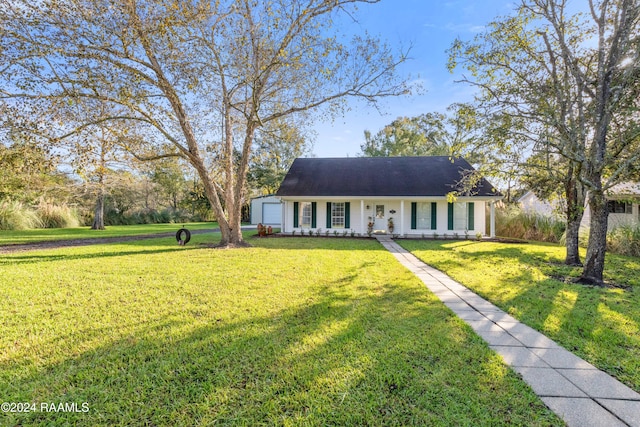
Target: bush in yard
(57,216)
(17,216)
(513,222)
(624,240)
(146,216)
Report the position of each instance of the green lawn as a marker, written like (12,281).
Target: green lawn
(529,281)
(294,331)
(11,237)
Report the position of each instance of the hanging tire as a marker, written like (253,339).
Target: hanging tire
(183,236)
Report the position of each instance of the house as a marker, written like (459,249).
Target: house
(399,195)
(623,203)
(530,203)
(266,210)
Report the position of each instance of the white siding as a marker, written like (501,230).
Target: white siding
(363,210)
(257,210)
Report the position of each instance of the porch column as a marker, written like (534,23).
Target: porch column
(363,228)
(285,217)
(401,217)
(492,226)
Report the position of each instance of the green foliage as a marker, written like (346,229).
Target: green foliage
(57,216)
(146,216)
(159,79)
(16,216)
(568,83)
(277,145)
(28,172)
(169,175)
(422,135)
(624,240)
(513,222)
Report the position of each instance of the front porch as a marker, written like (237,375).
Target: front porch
(421,217)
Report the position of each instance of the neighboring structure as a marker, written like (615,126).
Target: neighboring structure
(530,203)
(623,204)
(378,194)
(266,210)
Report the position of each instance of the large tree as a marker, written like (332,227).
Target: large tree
(277,145)
(565,78)
(423,135)
(201,75)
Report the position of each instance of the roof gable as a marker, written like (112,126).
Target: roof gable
(379,176)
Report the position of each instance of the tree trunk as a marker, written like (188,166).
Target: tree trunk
(594,263)
(98,216)
(231,234)
(574,192)
(572,243)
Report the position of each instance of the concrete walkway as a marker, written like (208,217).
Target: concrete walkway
(574,389)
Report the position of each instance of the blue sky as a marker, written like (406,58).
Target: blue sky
(431,26)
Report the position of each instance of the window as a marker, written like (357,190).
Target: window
(305,215)
(616,206)
(379,211)
(459,216)
(337,215)
(423,216)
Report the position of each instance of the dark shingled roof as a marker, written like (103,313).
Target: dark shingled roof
(379,176)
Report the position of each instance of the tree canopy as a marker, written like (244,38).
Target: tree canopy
(195,79)
(569,81)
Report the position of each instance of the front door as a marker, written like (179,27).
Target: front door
(380,223)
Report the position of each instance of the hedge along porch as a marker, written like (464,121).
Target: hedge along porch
(346,195)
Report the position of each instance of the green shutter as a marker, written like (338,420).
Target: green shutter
(313,214)
(450,216)
(414,214)
(434,218)
(295,214)
(471,225)
(328,214)
(347,215)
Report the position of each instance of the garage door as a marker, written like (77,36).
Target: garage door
(271,213)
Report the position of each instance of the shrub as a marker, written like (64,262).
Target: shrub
(16,216)
(145,216)
(624,240)
(513,222)
(57,216)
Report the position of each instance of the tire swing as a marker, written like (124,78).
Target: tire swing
(183,240)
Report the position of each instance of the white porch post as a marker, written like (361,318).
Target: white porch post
(363,228)
(401,217)
(283,217)
(492,226)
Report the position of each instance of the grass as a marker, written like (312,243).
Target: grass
(16,216)
(514,222)
(296,331)
(12,237)
(529,281)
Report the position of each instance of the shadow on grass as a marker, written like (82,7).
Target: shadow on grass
(387,357)
(37,257)
(169,245)
(599,324)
